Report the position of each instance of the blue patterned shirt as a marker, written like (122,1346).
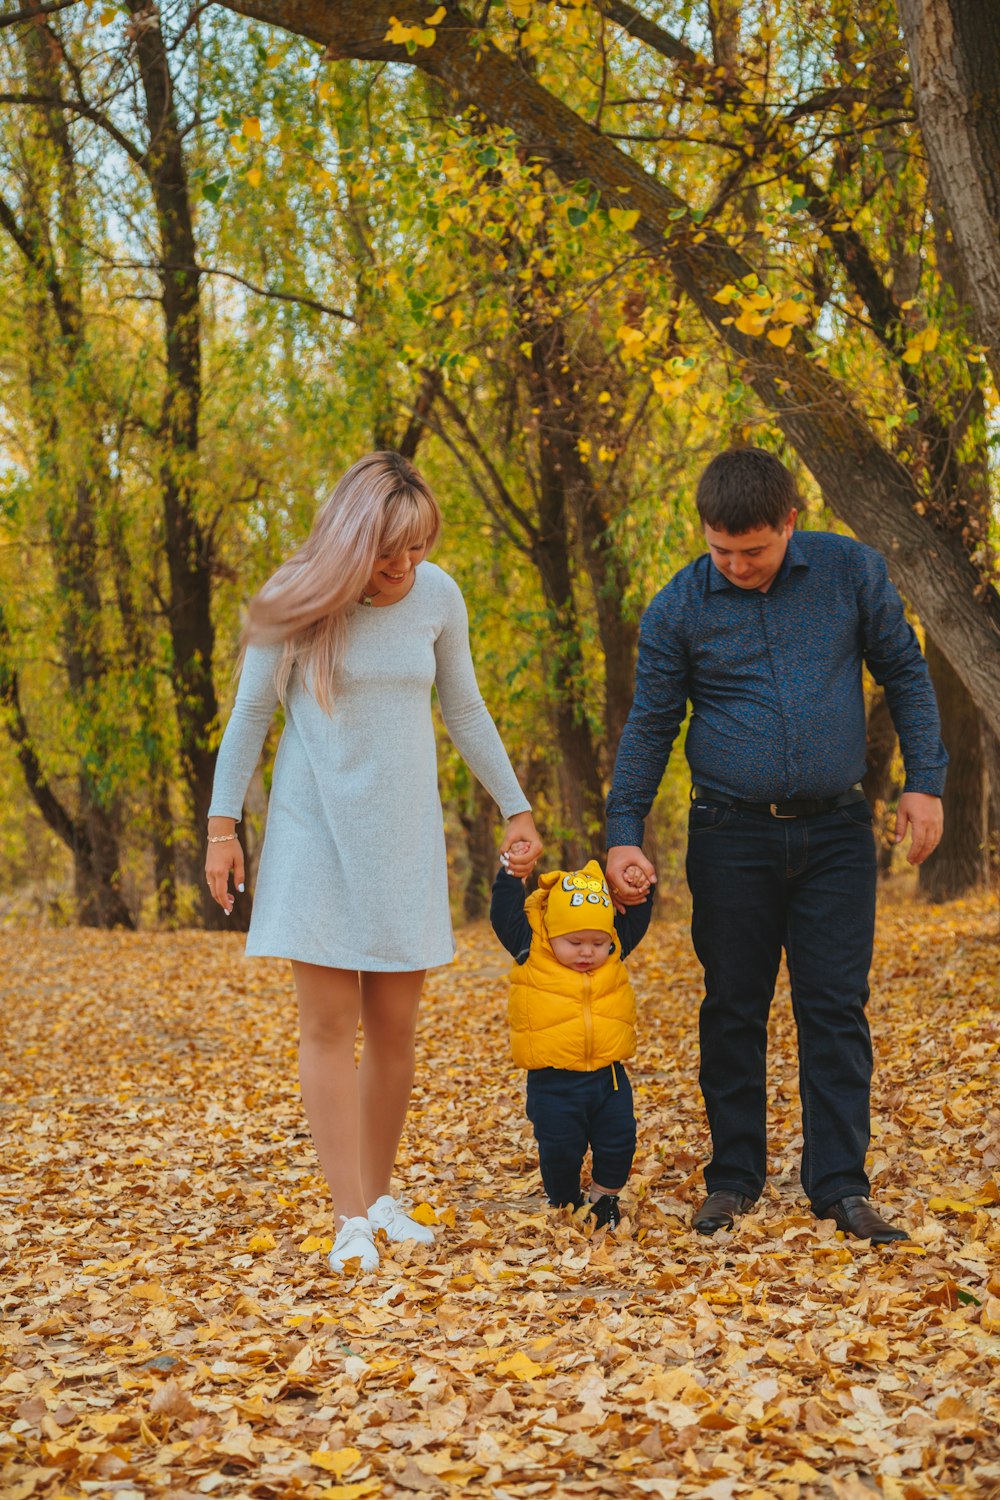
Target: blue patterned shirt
(774,679)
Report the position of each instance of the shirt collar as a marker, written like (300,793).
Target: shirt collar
(794,557)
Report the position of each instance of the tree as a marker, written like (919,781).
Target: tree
(861,479)
(954,50)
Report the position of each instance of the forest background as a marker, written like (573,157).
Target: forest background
(559,254)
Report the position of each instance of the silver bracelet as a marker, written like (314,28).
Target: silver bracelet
(222,838)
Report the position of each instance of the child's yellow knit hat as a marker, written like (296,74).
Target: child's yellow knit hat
(577,901)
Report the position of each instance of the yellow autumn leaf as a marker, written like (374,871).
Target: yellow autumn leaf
(989,1318)
(358,1491)
(519,1365)
(424,1214)
(149,1291)
(629,336)
(726,294)
(263,1240)
(251,128)
(779,336)
(436,18)
(108,14)
(750,322)
(913,353)
(624,218)
(800,1471)
(254,177)
(943,1205)
(520,9)
(790,311)
(316,1242)
(335,1461)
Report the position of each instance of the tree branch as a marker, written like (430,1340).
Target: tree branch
(33,12)
(87,112)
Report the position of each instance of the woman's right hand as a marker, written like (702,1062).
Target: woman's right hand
(222,858)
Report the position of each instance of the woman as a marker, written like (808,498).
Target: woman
(350,634)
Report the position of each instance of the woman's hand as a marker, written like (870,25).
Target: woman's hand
(221,859)
(520,831)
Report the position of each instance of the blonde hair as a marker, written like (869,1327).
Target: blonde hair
(382,506)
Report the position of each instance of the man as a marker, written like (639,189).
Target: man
(766,635)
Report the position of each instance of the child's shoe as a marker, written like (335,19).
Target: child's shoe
(355,1241)
(385,1213)
(605,1211)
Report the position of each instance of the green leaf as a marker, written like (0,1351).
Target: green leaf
(577,216)
(213,191)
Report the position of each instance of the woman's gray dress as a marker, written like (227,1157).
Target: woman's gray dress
(353,872)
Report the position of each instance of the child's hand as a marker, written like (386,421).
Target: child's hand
(521,847)
(637,879)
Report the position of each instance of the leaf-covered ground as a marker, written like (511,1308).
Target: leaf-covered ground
(171,1326)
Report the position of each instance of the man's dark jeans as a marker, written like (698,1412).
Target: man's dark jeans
(571,1111)
(760,884)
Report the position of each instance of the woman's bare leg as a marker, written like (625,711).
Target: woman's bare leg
(389,1005)
(329,1009)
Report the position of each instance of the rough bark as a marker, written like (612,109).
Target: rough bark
(70,479)
(862,482)
(188,544)
(991,754)
(880,787)
(954,52)
(958,864)
(583,793)
(479,824)
(91,839)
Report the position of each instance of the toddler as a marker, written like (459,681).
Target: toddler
(572,1020)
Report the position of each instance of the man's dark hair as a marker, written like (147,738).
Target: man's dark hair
(744,488)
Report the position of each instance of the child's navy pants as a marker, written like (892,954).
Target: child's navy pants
(571,1111)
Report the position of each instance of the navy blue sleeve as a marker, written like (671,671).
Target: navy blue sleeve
(507,915)
(895,660)
(661,692)
(632,923)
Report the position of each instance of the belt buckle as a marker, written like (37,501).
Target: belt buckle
(785,817)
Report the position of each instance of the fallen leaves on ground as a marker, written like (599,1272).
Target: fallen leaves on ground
(172,1328)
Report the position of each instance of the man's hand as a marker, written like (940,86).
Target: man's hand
(625,891)
(924,816)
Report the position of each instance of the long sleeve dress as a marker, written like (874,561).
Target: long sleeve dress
(353,872)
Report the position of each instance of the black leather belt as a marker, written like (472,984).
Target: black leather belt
(799,807)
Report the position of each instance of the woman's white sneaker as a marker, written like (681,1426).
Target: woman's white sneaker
(355,1241)
(386,1213)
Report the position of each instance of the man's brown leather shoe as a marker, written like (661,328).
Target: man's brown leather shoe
(719,1210)
(856,1216)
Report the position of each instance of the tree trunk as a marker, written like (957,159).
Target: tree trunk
(958,864)
(862,482)
(580,776)
(991,754)
(96,870)
(954,51)
(70,478)
(189,546)
(479,823)
(879,785)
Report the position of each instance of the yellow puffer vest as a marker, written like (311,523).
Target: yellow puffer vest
(562,1019)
